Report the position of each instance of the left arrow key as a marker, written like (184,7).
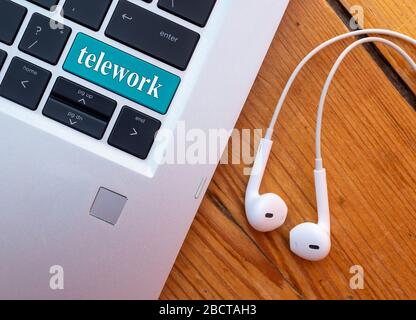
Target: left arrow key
(25,83)
(21,76)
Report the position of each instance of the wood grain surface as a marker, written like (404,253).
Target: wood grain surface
(369,149)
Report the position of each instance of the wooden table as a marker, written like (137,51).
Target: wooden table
(369,149)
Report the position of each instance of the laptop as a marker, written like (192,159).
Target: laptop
(89,90)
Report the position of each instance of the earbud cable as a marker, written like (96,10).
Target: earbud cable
(292,78)
(331,77)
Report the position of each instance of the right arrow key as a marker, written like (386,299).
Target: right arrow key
(134,132)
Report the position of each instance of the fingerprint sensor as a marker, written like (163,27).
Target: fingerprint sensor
(108,206)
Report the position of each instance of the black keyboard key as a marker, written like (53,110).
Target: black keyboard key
(47,4)
(43,41)
(88,13)
(3,56)
(84,98)
(11,18)
(152,34)
(134,132)
(74,118)
(24,83)
(195,11)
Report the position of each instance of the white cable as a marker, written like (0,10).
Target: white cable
(292,78)
(331,77)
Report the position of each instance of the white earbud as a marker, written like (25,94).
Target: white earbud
(312,241)
(268,211)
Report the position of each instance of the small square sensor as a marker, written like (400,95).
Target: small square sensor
(108,206)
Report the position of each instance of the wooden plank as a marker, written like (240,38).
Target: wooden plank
(395,15)
(238,269)
(370,153)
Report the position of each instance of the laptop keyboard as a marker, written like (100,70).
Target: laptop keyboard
(137,25)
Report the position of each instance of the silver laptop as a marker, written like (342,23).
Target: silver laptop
(91,96)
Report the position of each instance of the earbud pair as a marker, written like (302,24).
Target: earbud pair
(311,241)
(268,212)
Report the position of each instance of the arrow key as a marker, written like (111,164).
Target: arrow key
(84,98)
(24,83)
(74,118)
(134,132)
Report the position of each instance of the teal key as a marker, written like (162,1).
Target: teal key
(122,73)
